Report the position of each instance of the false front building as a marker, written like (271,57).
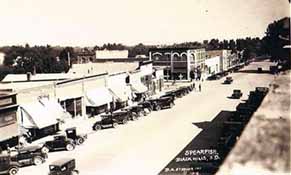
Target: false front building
(179,63)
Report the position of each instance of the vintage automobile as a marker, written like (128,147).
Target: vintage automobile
(65,166)
(8,166)
(228,80)
(122,117)
(72,134)
(59,142)
(214,77)
(30,155)
(146,105)
(105,123)
(136,111)
(237,94)
(161,103)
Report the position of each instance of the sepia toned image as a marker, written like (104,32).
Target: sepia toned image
(145,87)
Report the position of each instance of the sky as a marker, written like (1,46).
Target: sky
(95,22)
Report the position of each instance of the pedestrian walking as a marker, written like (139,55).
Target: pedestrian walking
(199,87)
(194,86)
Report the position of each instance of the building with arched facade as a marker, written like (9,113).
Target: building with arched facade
(179,63)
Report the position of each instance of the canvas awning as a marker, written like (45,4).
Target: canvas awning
(98,97)
(54,107)
(35,115)
(122,93)
(138,87)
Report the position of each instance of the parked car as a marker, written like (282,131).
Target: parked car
(59,142)
(30,155)
(72,134)
(8,166)
(65,166)
(161,103)
(146,105)
(228,80)
(214,77)
(122,117)
(237,94)
(136,111)
(105,123)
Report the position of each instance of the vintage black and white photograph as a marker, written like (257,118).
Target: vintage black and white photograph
(145,87)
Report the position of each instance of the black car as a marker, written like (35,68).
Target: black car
(161,103)
(8,166)
(59,142)
(136,111)
(105,123)
(30,155)
(121,117)
(228,80)
(78,138)
(65,166)
(214,77)
(146,105)
(237,94)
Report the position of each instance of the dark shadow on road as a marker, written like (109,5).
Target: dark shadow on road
(201,154)
(202,125)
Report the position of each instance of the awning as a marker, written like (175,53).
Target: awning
(54,107)
(138,87)
(98,97)
(35,115)
(122,93)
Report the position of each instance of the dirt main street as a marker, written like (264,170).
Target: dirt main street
(147,145)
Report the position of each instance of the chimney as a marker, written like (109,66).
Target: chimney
(28,76)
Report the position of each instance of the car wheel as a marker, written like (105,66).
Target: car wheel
(97,127)
(171,105)
(158,107)
(80,140)
(144,113)
(141,114)
(124,121)
(75,172)
(13,171)
(114,125)
(70,147)
(134,117)
(37,160)
(45,149)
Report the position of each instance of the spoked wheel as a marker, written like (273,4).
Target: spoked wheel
(45,149)
(97,127)
(171,105)
(70,147)
(37,160)
(115,125)
(158,107)
(75,172)
(13,171)
(134,117)
(124,121)
(80,140)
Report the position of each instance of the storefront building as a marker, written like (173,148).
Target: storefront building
(8,121)
(179,63)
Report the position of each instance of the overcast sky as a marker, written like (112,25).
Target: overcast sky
(91,22)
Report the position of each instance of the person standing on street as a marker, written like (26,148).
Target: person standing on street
(199,87)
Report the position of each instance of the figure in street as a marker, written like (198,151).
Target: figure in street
(199,87)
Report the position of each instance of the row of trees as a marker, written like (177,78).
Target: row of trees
(47,59)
